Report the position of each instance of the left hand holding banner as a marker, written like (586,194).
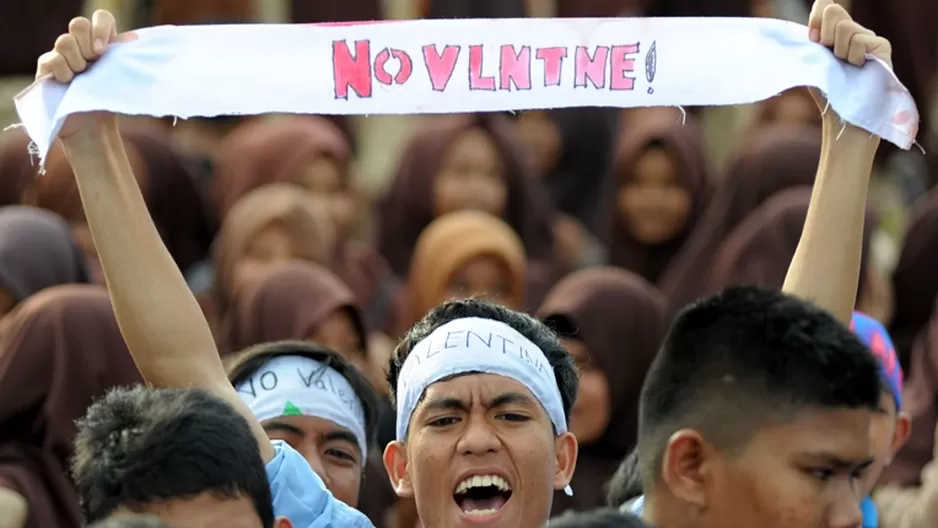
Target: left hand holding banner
(455,66)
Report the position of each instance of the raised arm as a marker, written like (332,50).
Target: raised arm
(826,266)
(164,328)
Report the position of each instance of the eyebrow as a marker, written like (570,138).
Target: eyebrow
(841,464)
(275,426)
(455,404)
(340,435)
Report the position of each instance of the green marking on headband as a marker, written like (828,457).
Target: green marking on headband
(289,409)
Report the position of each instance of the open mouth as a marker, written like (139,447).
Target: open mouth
(482,495)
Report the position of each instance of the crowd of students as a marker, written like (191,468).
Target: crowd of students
(564,317)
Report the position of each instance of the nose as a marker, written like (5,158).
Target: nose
(478,437)
(846,512)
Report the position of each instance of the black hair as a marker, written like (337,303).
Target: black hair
(244,364)
(626,483)
(744,358)
(138,446)
(532,329)
(601,518)
(130,521)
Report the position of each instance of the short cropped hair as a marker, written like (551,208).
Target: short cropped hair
(242,365)
(602,518)
(534,330)
(745,358)
(130,521)
(626,483)
(138,446)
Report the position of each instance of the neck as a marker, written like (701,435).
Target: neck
(663,513)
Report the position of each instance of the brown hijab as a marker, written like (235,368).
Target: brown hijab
(59,351)
(915,280)
(169,188)
(452,240)
(290,302)
(37,251)
(684,144)
(16,165)
(308,12)
(920,399)
(775,158)
(29,29)
(620,317)
(408,206)
(760,249)
(283,204)
(263,151)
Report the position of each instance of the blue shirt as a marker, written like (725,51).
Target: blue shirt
(301,496)
(868,507)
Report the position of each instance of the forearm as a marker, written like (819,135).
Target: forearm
(159,317)
(826,266)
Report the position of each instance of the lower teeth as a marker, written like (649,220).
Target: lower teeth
(489,511)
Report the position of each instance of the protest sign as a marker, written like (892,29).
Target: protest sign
(454,66)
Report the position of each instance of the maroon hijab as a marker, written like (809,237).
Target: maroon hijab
(684,145)
(59,351)
(37,251)
(620,317)
(16,165)
(408,206)
(290,302)
(920,400)
(760,249)
(915,280)
(773,159)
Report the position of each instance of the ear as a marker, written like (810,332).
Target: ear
(282,522)
(566,449)
(687,466)
(395,463)
(903,430)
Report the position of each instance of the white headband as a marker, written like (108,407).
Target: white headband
(473,344)
(299,386)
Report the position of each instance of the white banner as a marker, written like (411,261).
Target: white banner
(452,66)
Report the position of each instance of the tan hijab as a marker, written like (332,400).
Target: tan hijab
(282,203)
(452,240)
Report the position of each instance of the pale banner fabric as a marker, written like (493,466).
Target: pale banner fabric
(453,66)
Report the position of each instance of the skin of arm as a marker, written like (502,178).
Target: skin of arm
(159,317)
(825,269)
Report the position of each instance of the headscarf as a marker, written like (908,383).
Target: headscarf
(306,12)
(16,165)
(774,159)
(29,29)
(290,302)
(920,399)
(586,150)
(169,188)
(408,206)
(915,279)
(471,8)
(284,204)
(684,145)
(180,12)
(263,151)
(37,251)
(620,317)
(759,250)
(452,240)
(59,351)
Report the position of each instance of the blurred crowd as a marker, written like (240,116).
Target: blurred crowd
(346,230)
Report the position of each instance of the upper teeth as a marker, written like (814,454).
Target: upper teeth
(482,481)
